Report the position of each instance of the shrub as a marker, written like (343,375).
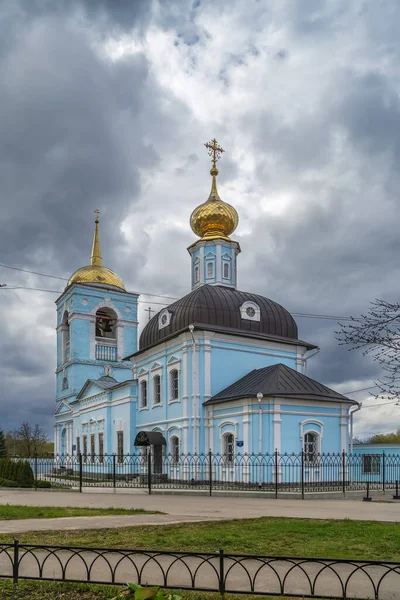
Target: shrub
(43,484)
(19,471)
(8,483)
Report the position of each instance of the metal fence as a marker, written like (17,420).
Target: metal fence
(274,473)
(211,571)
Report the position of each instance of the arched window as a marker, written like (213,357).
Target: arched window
(106,324)
(226,272)
(174,449)
(156,389)
(143,394)
(311,447)
(174,384)
(66,353)
(228,447)
(64,383)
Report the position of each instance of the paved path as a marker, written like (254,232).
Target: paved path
(241,573)
(187,508)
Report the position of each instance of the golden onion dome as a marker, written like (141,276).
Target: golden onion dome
(95,272)
(214,218)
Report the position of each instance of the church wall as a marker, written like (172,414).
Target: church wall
(230,362)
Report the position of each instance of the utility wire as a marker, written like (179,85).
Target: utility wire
(299,315)
(310,316)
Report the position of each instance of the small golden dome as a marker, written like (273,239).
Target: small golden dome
(214,218)
(95,272)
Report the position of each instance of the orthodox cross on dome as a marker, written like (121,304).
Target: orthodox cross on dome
(215,151)
(97,213)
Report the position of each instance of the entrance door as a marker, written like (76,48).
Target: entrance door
(157,460)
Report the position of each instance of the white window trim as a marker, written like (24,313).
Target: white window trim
(174,367)
(253,305)
(164,313)
(210,263)
(141,380)
(312,422)
(318,444)
(228,278)
(153,403)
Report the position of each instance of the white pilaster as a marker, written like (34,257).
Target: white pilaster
(201,257)
(277,425)
(219,263)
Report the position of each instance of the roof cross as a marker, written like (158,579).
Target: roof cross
(214,150)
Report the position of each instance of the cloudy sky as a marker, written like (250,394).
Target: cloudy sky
(106,104)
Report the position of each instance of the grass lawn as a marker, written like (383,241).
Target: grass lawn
(269,536)
(33,590)
(11,511)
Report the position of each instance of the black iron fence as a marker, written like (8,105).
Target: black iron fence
(204,571)
(274,473)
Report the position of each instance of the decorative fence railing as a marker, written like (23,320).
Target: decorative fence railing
(211,571)
(271,473)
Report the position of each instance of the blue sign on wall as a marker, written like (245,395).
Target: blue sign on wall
(239,443)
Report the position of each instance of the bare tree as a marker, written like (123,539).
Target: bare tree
(378,334)
(29,439)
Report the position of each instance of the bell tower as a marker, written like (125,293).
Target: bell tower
(96,328)
(214,255)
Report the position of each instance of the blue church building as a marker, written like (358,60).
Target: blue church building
(219,369)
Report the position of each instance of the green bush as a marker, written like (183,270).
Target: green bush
(19,471)
(43,484)
(8,483)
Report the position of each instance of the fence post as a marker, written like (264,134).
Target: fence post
(16,561)
(276,473)
(80,471)
(383,471)
(36,470)
(114,471)
(302,474)
(221,573)
(210,468)
(149,468)
(344,472)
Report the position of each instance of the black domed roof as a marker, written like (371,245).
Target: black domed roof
(217,308)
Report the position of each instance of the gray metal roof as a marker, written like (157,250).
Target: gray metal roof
(277,380)
(213,307)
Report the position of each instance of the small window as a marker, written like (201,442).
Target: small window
(92,448)
(84,440)
(101,448)
(228,448)
(226,272)
(174,449)
(120,447)
(310,447)
(196,274)
(371,464)
(64,383)
(174,384)
(143,394)
(157,389)
(210,269)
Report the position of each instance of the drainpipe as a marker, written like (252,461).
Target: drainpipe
(305,359)
(359,406)
(259,398)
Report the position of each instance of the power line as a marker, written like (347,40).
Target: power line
(33,272)
(307,315)
(299,315)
